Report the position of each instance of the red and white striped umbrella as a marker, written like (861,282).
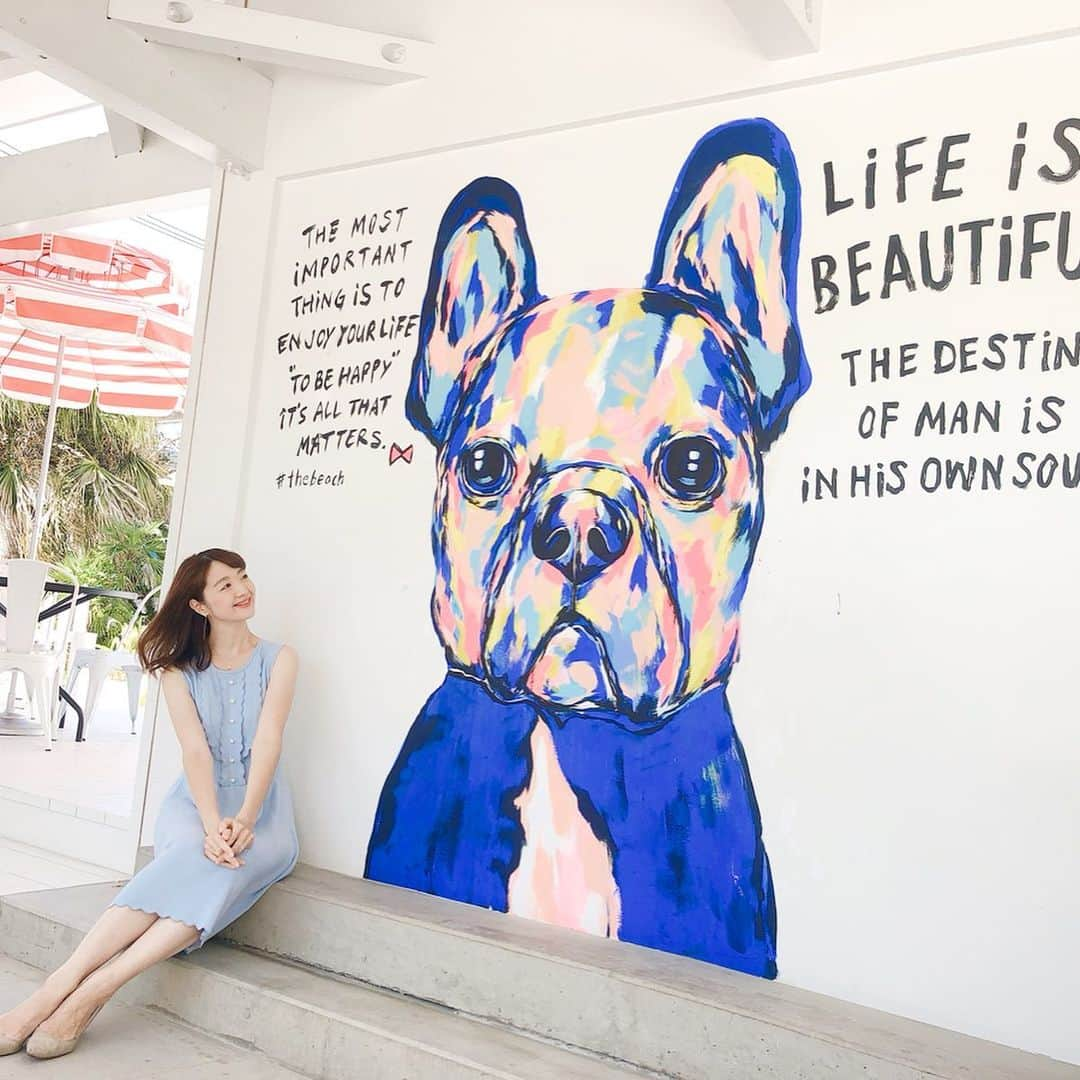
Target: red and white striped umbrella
(79,316)
(115,310)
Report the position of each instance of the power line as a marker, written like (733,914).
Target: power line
(174,232)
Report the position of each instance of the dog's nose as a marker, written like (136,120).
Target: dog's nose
(581,533)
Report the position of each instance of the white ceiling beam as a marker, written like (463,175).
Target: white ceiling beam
(10,67)
(78,182)
(269,38)
(125,135)
(782,29)
(210,105)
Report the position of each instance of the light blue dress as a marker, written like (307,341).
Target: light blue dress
(182,883)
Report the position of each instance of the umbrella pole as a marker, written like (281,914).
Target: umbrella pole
(43,478)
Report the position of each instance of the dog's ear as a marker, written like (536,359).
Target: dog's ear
(482,273)
(730,237)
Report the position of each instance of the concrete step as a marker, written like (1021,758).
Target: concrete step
(664,1013)
(322,1025)
(131,1043)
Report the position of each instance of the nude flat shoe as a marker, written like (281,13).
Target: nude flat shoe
(9,1045)
(43,1046)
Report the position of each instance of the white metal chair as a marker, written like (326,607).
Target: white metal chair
(100,663)
(40,662)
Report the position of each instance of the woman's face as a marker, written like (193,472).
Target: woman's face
(229,595)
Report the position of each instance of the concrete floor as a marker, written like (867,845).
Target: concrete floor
(97,776)
(129,1043)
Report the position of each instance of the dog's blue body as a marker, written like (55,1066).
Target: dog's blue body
(699,886)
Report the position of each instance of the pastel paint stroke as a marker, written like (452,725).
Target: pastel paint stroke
(564,876)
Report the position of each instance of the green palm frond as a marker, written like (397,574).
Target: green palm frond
(143,474)
(105,507)
(99,488)
(11,485)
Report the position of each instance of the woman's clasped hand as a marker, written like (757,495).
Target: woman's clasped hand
(237,833)
(228,842)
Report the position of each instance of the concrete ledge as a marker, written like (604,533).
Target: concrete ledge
(316,1023)
(663,1013)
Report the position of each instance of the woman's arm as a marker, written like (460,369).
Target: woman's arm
(198,762)
(266,747)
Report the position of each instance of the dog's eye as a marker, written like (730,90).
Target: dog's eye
(690,468)
(486,469)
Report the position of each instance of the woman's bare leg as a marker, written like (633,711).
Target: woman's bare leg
(116,929)
(164,939)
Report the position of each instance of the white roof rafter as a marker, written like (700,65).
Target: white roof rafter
(10,67)
(268,37)
(782,28)
(75,182)
(210,105)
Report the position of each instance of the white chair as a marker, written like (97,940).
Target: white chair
(100,663)
(40,662)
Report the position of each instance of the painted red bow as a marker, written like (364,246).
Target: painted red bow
(404,454)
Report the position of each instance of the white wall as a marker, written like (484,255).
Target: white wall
(914,763)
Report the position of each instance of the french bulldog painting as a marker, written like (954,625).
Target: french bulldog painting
(598,505)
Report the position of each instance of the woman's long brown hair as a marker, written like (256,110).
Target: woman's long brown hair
(178,636)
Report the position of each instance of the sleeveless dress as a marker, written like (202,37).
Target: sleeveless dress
(182,883)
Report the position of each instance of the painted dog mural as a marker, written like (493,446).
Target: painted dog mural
(598,506)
